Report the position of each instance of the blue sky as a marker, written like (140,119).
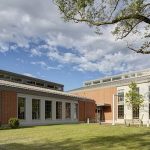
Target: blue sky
(36,41)
(22,62)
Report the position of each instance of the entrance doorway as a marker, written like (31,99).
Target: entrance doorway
(100,114)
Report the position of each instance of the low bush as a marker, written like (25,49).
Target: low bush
(13,123)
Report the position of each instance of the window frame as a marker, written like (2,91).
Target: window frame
(50,110)
(39,108)
(68,110)
(24,107)
(135,112)
(57,112)
(119,116)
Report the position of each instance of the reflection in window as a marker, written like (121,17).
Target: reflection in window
(35,109)
(68,110)
(48,109)
(58,110)
(21,108)
(121,97)
(120,111)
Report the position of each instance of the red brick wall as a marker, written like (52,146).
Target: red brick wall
(8,105)
(86,110)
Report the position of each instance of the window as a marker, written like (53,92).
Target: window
(39,84)
(120,96)
(107,80)
(120,105)
(120,111)
(126,76)
(68,110)
(149,93)
(35,109)
(7,77)
(88,83)
(21,108)
(1,76)
(116,78)
(48,109)
(135,113)
(51,86)
(30,82)
(58,110)
(132,75)
(149,110)
(75,111)
(138,90)
(96,82)
(16,79)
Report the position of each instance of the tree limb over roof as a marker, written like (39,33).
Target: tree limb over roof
(127,15)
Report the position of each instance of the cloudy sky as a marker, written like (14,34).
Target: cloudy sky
(35,41)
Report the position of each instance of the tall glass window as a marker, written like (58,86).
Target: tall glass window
(48,109)
(135,113)
(68,110)
(149,110)
(120,111)
(35,109)
(75,111)
(149,93)
(121,105)
(21,107)
(120,96)
(58,110)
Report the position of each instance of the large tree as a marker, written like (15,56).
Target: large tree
(128,16)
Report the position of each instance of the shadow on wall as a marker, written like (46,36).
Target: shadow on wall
(132,142)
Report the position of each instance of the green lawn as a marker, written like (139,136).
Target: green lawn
(76,137)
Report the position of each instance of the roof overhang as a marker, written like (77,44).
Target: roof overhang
(38,90)
(103,104)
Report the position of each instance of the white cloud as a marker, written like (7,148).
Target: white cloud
(35,52)
(24,21)
(45,66)
(28,74)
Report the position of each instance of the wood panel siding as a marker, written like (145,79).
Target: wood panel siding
(100,95)
(8,101)
(86,110)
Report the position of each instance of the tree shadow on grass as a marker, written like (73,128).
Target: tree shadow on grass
(123,142)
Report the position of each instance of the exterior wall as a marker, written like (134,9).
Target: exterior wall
(9,109)
(86,110)
(100,95)
(144,110)
(42,120)
(8,101)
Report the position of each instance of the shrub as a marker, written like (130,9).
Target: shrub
(13,123)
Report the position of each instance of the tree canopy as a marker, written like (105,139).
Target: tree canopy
(133,97)
(128,16)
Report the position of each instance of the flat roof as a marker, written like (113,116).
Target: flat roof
(4,83)
(125,75)
(28,77)
(117,83)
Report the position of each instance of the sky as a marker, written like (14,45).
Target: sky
(35,41)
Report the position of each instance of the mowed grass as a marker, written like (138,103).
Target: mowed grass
(76,137)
